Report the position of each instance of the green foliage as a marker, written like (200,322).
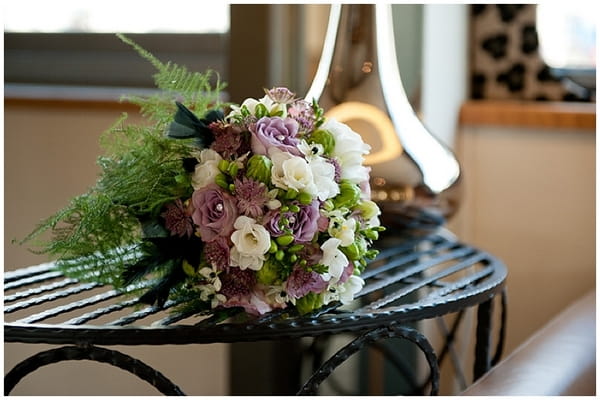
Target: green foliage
(97,236)
(193,89)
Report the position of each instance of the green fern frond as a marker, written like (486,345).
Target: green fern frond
(194,89)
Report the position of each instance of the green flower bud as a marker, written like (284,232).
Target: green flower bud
(188,268)
(328,205)
(308,303)
(371,254)
(371,234)
(279,255)
(352,251)
(291,194)
(259,168)
(294,208)
(223,165)
(349,195)
(260,110)
(305,198)
(293,258)
(221,180)
(233,169)
(284,240)
(268,274)
(324,138)
(273,248)
(295,248)
(368,209)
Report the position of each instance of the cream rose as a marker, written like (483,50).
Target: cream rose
(251,242)
(207,169)
(291,172)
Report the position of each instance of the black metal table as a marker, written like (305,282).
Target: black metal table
(411,280)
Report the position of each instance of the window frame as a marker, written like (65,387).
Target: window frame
(101,59)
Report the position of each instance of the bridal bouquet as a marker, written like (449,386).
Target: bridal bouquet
(261,205)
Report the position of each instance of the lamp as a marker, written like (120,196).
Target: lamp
(414,177)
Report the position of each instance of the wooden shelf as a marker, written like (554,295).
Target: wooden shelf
(529,114)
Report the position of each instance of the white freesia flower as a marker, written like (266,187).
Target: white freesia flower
(334,259)
(209,293)
(250,243)
(211,275)
(310,150)
(324,178)
(278,294)
(273,203)
(348,289)
(349,150)
(342,229)
(251,104)
(291,172)
(207,169)
(344,292)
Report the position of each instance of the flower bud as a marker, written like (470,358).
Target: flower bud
(259,168)
(285,240)
(267,275)
(308,303)
(324,138)
(368,209)
(305,198)
(223,165)
(349,195)
(188,268)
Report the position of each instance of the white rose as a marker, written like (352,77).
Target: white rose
(206,169)
(291,172)
(334,259)
(324,178)
(250,238)
(237,259)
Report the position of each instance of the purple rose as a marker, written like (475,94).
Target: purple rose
(214,212)
(275,132)
(300,282)
(303,224)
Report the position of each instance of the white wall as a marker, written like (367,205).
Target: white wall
(50,155)
(445,67)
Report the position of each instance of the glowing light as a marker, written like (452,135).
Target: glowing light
(391,147)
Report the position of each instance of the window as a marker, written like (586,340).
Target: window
(76,45)
(567,35)
(116,16)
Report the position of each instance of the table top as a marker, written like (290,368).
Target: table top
(413,278)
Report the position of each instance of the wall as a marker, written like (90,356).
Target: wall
(529,199)
(49,152)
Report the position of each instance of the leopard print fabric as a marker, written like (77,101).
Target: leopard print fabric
(505,59)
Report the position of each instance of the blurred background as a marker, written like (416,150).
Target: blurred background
(512,97)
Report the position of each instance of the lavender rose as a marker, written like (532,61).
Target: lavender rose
(303,224)
(275,132)
(214,212)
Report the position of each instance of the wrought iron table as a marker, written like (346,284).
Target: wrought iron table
(412,279)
